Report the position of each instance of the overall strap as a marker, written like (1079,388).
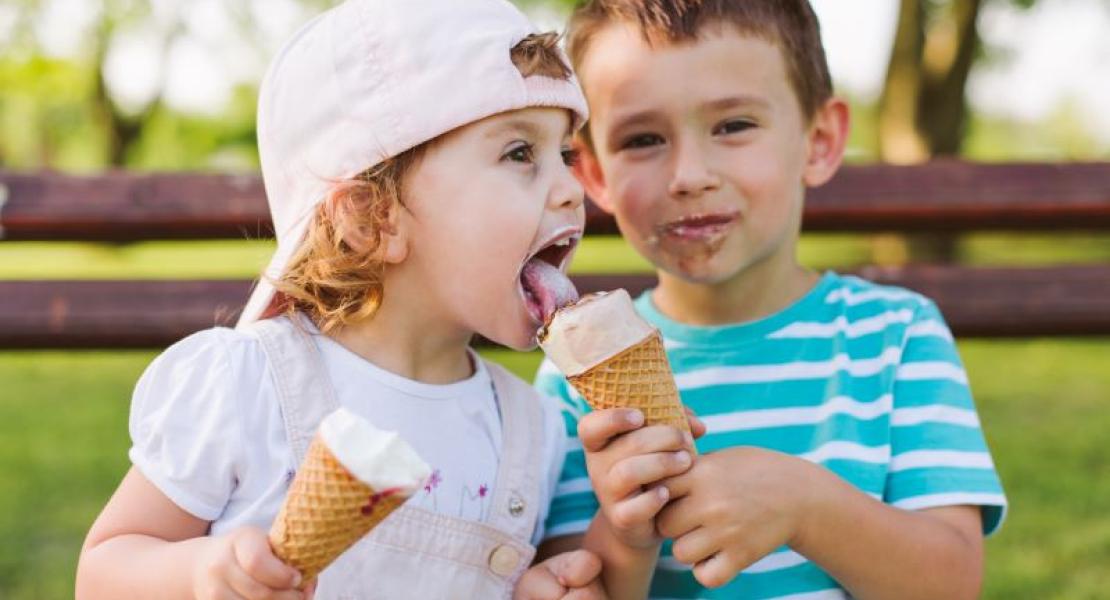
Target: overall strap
(517,495)
(304,390)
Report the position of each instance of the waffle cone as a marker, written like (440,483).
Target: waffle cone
(326,511)
(638,377)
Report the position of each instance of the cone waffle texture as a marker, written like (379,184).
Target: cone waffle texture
(639,377)
(326,511)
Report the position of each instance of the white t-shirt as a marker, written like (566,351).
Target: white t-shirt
(206,429)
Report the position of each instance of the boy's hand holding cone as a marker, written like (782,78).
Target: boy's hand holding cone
(353,476)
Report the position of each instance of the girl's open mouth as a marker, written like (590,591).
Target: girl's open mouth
(543,284)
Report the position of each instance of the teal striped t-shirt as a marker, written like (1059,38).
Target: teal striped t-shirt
(860,378)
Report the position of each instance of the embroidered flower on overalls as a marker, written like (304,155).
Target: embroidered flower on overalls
(433,481)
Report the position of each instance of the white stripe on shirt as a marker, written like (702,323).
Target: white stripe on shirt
(929,329)
(803,415)
(853,298)
(927,459)
(568,528)
(840,450)
(935,413)
(574,486)
(854,329)
(776,561)
(917,371)
(950,499)
(788,371)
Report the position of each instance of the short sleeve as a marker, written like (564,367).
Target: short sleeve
(574,503)
(184,424)
(939,456)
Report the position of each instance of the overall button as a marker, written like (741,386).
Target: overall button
(504,560)
(516,506)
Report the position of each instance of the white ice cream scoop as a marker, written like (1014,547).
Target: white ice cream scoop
(599,326)
(380,459)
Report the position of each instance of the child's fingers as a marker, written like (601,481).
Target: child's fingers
(256,558)
(677,519)
(574,569)
(697,426)
(245,586)
(682,484)
(715,571)
(633,512)
(593,591)
(539,583)
(695,546)
(648,440)
(634,472)
(598,427)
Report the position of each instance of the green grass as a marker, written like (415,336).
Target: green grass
(63,441)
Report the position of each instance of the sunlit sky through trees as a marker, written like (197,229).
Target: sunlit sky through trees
(1053,57)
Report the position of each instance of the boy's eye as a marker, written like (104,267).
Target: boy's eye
(643,140)
(521,153)
(734,126)
(570,156)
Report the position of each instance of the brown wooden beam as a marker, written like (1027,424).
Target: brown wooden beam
(978,302)
(939,196)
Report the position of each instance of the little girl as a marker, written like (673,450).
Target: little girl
(415,160)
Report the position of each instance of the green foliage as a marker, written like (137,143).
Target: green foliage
(46,116)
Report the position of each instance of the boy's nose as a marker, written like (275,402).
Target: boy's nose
(691,175)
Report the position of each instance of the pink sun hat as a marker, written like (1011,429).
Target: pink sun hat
(370,79)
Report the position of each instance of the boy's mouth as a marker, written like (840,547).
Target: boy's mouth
(700,227)
(543,284)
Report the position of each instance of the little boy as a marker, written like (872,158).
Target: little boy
(844,453)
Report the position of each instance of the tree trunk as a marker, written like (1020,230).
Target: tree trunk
(923,109)
(900,141)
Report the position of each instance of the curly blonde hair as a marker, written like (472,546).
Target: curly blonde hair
(327,278)
(335,284)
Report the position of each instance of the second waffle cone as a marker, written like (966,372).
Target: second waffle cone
(638,377)
(326,511)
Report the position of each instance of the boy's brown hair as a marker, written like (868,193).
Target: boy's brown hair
(789,24)
(336,284)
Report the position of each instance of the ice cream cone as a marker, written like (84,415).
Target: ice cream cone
(614,358)
(638,377)
(352,477)
(326,512)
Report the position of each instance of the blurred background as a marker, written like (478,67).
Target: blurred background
(170,85)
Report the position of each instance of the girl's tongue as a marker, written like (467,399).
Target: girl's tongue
(546,289)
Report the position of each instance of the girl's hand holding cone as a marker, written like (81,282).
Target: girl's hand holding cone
(242,565)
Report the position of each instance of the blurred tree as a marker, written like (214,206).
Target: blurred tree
(124,127)
(923,107)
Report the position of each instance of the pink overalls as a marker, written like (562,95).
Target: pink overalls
(417,553)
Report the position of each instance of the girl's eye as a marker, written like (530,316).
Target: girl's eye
(643,140)
(521,154)
(570,156)
(735,126)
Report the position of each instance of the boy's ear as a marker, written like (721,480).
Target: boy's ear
(588,171)
(828,136)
